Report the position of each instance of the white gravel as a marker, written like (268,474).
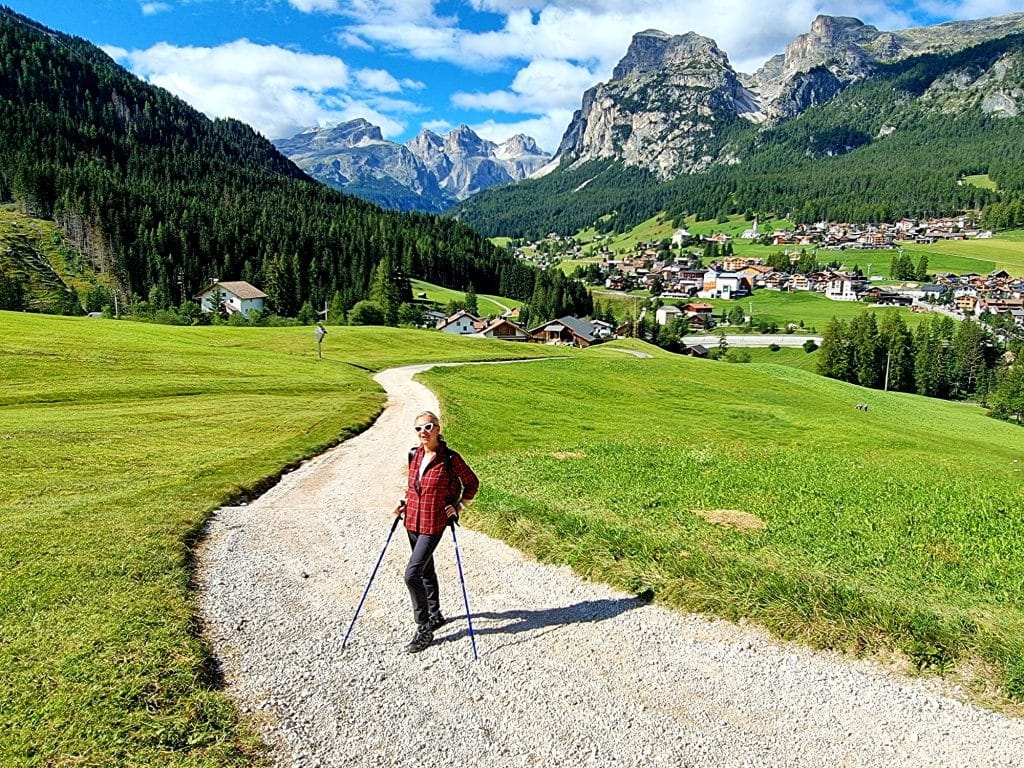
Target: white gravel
(570,672)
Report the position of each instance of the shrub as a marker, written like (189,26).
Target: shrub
(738,356)
(366,313)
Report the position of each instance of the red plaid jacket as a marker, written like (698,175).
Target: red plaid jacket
(426,497)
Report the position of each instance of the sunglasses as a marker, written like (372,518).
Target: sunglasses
(428,427)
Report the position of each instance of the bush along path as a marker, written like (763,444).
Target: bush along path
(569,673)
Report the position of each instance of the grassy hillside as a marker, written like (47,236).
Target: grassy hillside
(37,263)
(487,304)
(761,491)
(879,531)
(1005,251)
(811,309)
(116,439)
(789,357)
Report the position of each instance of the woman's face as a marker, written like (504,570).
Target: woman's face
(427,432)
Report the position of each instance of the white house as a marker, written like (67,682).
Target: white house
(461,324)
(679,237)
(841,289)
(231,295)
(667,314)
(724,285)
(602,329)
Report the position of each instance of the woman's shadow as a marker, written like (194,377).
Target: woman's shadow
(536,623)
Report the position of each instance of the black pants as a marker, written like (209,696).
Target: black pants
(421,578)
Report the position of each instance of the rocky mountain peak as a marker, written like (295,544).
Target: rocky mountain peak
(425,142)
(463,140)
(835,41)
(652,50)
(354,133)
(836,28)
(665,108)
(517,145)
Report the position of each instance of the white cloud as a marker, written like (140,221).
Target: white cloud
(312,6)
(276,90)
(546,129)
(540,86)
(437,126)
(382,81)
(598,31)
(151,9)
(971,9)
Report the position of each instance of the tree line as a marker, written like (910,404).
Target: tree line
(942,358)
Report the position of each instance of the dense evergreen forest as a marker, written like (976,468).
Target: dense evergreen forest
(881,149)
(156,195)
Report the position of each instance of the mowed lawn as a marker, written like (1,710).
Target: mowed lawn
(487,304)
(1005,251)
(761,491)
(116,440)
(807,307)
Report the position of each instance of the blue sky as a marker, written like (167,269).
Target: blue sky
(500,66)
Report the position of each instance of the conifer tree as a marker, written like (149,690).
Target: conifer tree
(384,291)
(471,302)
(834,356)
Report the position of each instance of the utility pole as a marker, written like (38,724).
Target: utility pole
(888,360)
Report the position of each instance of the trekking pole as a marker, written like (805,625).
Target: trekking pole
(366,591)
(465,597)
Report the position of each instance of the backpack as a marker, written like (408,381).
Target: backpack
(448,453)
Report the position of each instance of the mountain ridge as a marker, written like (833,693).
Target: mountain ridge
(865,125)
(670,97)
(430,172)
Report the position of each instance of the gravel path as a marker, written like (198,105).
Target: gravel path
(570,672)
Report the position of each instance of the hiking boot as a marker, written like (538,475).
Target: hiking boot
(436,621)
(421,640)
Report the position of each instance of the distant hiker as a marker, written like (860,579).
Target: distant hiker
(439,486)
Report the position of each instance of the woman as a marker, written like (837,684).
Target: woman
(439,487)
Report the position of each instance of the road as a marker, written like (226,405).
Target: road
(752,340)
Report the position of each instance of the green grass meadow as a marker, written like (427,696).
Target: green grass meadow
(759,491)
(808,307)
(116,441)
(1004,251)
(487,304)
(787,356)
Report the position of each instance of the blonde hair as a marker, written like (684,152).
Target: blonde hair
(430,415)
